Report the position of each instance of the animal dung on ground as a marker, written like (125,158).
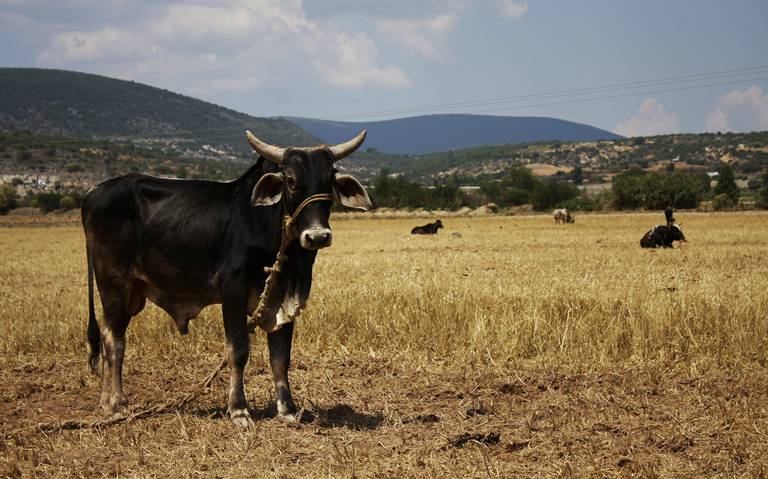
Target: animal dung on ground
(488,439)
(472,412)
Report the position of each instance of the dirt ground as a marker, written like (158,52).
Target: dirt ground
(370,417)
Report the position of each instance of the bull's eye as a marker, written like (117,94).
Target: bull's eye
(290,182)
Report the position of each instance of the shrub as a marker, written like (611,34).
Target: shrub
(761,197)
(8,198)
(549,193)
(67,203)
(47,202)
(726,183)
(722,202)
(639,189)
(580,203)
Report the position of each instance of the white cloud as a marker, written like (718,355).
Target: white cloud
(426,37)
(650,119)
(512,8)
(354,64)
(744,110)
(106,43)
(389,9)
(220,41)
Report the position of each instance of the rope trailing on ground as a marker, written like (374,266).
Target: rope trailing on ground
(287,235)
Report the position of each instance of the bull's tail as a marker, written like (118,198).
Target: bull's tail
(94,334)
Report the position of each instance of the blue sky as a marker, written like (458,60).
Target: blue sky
(375,59)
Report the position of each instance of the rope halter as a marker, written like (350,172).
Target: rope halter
(290,220)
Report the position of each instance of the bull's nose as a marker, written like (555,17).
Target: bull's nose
(316,238)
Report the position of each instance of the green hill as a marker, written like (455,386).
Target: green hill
(64,103)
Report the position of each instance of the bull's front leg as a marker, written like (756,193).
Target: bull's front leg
(236,331)
(280,359)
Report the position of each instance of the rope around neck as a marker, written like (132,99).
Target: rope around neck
(288,234)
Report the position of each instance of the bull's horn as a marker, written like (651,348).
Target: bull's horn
(347,148)
(271,152)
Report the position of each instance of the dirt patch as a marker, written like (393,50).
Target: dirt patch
(363,416)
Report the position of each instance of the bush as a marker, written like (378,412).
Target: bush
(47,202)
(549,193)
(8,198)
(67,203)
(580,203)
(399,192)
(726,183)
(722,202)
(639,189)
(761,197)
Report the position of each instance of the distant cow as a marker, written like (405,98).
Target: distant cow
(662,236)
(427,229)
(563,215)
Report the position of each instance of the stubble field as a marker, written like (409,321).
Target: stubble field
(513,348)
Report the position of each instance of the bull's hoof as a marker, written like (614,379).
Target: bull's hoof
(290,417)
(115,406)
(241,417)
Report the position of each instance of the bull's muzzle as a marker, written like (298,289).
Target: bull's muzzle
(315,238)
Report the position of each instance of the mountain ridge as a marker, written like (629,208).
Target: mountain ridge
(68,103)
(442,132)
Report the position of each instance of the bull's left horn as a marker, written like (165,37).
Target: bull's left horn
(271,152)
(345,149)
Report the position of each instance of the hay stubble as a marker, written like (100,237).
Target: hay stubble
(582,353)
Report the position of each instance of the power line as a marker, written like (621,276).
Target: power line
(692,78)
(580,100)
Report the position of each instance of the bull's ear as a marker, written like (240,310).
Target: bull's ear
(268,190)
(351,193)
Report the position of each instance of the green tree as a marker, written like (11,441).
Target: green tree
(551,193)
(640,189)
(726,183)
(577,175)
(722,202)
(8,198)
(47,202)
(67,203)
(761,197)
(515,188)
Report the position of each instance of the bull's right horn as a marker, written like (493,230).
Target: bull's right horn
(271,152)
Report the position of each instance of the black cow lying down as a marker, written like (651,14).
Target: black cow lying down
(186,244)
(662,236)
(427,229)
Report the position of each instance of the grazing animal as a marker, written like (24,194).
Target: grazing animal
(427,229)
(662,236)
(564,216)
(187,244)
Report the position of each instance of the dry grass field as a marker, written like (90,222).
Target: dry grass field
(517,348)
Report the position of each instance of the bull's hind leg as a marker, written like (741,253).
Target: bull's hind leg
(235,329)
(116,300)
(280,360)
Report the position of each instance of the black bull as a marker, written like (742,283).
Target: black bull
(662,236)
(186,244)
(427,229)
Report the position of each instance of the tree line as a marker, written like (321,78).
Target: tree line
(46,201)
(518,186)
